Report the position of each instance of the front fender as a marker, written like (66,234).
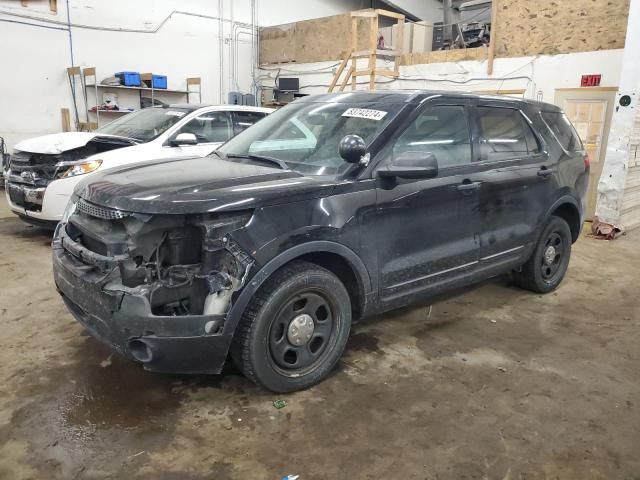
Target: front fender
(287,256)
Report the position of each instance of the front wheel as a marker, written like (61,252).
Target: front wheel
(294,329)
(548,264)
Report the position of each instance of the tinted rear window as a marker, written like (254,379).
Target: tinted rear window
(504,134)
(563,130)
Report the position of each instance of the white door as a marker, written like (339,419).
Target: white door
(589,118)
(210,128)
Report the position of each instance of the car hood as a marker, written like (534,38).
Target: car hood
(57,143)
(199,185)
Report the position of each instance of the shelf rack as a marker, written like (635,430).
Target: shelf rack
(372,53)
(89,82)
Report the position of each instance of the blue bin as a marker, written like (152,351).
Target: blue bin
(129,79)
(159,81)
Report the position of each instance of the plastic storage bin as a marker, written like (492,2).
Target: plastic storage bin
(129,79)
(159,81)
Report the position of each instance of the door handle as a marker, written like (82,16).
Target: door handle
(468,187)
(544,172)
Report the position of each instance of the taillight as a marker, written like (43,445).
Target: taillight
(587,162)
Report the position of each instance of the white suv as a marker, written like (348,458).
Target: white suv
(43,171)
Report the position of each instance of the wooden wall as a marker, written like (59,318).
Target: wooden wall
(524,27)
(318,40)
(550,27)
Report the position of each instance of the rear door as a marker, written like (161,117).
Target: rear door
(243,119)
(424,231)
(516,179)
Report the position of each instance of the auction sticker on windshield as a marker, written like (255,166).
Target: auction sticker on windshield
(174,113)
(376,115)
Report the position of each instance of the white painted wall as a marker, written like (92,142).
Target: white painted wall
(536,75)
(33,84)
(619,187)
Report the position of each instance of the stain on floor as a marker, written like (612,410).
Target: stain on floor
(488,382)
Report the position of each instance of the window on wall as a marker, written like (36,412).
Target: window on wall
(442,130)
(504,134)
(211,127)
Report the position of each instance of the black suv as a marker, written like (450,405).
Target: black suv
(333,208)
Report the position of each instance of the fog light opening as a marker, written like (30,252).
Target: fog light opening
(140,351)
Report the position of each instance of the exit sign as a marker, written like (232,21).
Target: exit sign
(590,80)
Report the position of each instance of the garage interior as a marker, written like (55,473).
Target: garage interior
(484,382)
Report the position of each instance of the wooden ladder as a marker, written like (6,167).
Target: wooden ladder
(372,53)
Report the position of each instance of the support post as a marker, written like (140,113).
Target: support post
(494,34)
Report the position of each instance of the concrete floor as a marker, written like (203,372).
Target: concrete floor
(492,382)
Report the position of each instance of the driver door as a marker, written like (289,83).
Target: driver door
(425,236)
(211,129)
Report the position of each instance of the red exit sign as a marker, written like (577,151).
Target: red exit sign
(590,80)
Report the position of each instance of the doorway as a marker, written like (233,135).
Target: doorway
(590,111)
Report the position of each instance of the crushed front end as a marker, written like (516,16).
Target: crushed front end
(156,288)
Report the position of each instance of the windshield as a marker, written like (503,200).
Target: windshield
(145,125)
(306,135)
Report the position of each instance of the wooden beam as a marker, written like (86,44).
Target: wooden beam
(346,79)
(364,14)
(341,68)
(386,73)
(380,53)
(387,13)
(373,41)
(396,60)
(494,34)
(354,47)
(65,116)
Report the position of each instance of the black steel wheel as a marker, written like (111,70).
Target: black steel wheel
(549,261)
(302,331)
(295,328)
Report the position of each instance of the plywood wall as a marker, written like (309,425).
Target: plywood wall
(318,40)
(526,27)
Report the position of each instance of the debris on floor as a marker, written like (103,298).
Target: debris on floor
(279,404)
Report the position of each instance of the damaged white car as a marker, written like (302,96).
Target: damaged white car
(43,171)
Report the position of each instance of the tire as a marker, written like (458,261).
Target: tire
(276,346)
(548,263)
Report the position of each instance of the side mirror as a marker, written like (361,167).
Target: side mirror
(412,165)
(184,139)
(352,148)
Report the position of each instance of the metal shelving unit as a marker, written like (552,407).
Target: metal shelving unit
(89,83)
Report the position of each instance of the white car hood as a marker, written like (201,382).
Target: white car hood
(56,143)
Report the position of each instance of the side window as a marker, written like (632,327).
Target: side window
(211,127)
(243,120)
(563,130)
(504,134)
(442,130)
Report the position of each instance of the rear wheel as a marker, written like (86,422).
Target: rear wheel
(295,328)
(548,264)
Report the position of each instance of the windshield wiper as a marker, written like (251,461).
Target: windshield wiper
(259,158)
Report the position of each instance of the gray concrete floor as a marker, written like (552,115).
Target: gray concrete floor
(492,382)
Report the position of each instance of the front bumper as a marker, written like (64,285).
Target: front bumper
(121,317)
(46,204)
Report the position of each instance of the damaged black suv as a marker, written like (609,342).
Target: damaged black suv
(334,208)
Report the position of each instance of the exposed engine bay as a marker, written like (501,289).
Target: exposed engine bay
(37,170)
(46,167)
(183,264)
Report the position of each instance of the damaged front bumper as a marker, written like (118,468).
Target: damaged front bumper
(123,317)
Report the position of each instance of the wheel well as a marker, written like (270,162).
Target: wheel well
(342,269)
(571,215)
